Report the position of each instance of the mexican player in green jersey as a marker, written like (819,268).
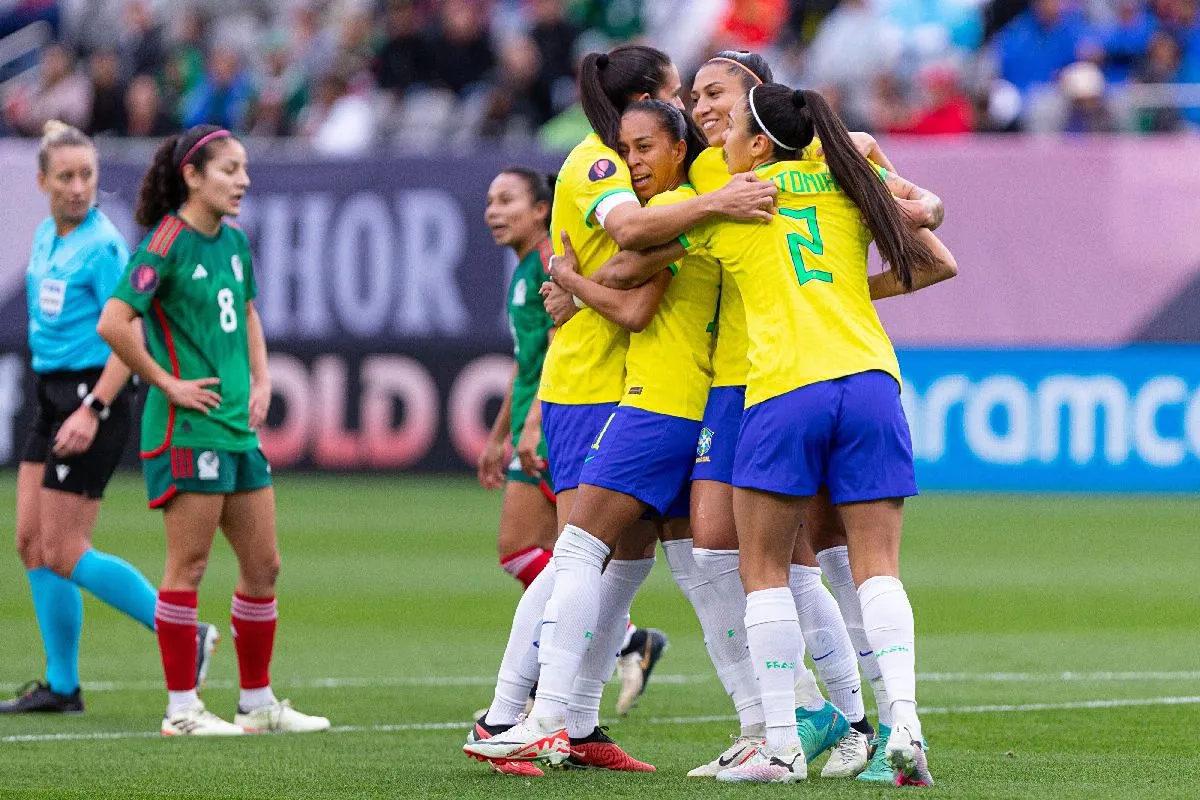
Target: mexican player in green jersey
(191,281)
(518,212)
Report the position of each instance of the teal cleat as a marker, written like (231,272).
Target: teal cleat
(820,730)
(878,769)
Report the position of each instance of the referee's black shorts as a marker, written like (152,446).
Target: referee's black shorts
(59,394)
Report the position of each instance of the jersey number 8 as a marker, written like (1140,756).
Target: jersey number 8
(798,242)
(229,321)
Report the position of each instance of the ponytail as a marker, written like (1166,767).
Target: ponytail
(609,81)
(163,189)
(790,119)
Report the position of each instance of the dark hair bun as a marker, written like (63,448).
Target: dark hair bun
(602,60)
(798,99)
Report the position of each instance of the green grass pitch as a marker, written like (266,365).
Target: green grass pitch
(394,613)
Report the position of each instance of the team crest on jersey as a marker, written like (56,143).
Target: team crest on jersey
(519,292)
(604,168)
(208,466)
(704,445)
(144,279)
(235,262)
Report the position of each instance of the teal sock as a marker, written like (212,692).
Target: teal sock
(59,610)
(118,583)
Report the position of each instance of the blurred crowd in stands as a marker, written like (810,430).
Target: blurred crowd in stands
(348,76)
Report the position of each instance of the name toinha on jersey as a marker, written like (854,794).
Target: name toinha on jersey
(144,279)
(604,168)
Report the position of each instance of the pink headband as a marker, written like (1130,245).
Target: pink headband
(740,65)
(208,137)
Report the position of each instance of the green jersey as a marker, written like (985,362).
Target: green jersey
(530,325)
(191,291)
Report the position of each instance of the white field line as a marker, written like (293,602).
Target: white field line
(486,680)
(463,725)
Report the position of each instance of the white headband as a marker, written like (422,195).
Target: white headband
(758,119)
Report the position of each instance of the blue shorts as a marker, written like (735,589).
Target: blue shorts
(645,455)
(718,436)
(849,434)
(569,431)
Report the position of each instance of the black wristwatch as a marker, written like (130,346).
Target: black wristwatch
(96,406)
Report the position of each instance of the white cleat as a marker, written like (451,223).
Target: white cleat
(280,717)
(738,753)
(786,765)
(906,754)
(196,720)
(525,741)
(849,756)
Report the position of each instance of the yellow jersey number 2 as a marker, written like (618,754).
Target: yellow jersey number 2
(798,243)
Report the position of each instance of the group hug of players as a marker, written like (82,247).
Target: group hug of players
(700,363)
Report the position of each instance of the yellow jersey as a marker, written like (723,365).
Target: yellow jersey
(586,360)
(709,173)
(803,281)
(669,365)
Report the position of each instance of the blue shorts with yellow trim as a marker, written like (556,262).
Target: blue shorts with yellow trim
(849,434)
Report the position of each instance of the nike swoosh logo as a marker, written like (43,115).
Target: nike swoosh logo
(827,655)
(856,691)
(868,653)
(586,459)
(725,762)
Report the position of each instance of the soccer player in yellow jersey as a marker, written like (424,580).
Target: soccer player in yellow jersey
(583,380)
(822,403)
(831,623)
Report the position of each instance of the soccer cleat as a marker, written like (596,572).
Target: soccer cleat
(820,730)
(480,731)
(196,720)
(207,638)
(742,749)
(279,717)
(906,755)
(786,765)
(525,741)
(878,769)
(36,697)
(598,751)
(635,664)
(849,756)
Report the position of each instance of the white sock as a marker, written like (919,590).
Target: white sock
(888,620)
(827,640)
(776,648)
(722,619)
(251,699)
(572,610)
(835,563)
(178,701)
(519,666)
(618,585)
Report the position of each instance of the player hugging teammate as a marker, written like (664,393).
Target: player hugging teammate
(645,251)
